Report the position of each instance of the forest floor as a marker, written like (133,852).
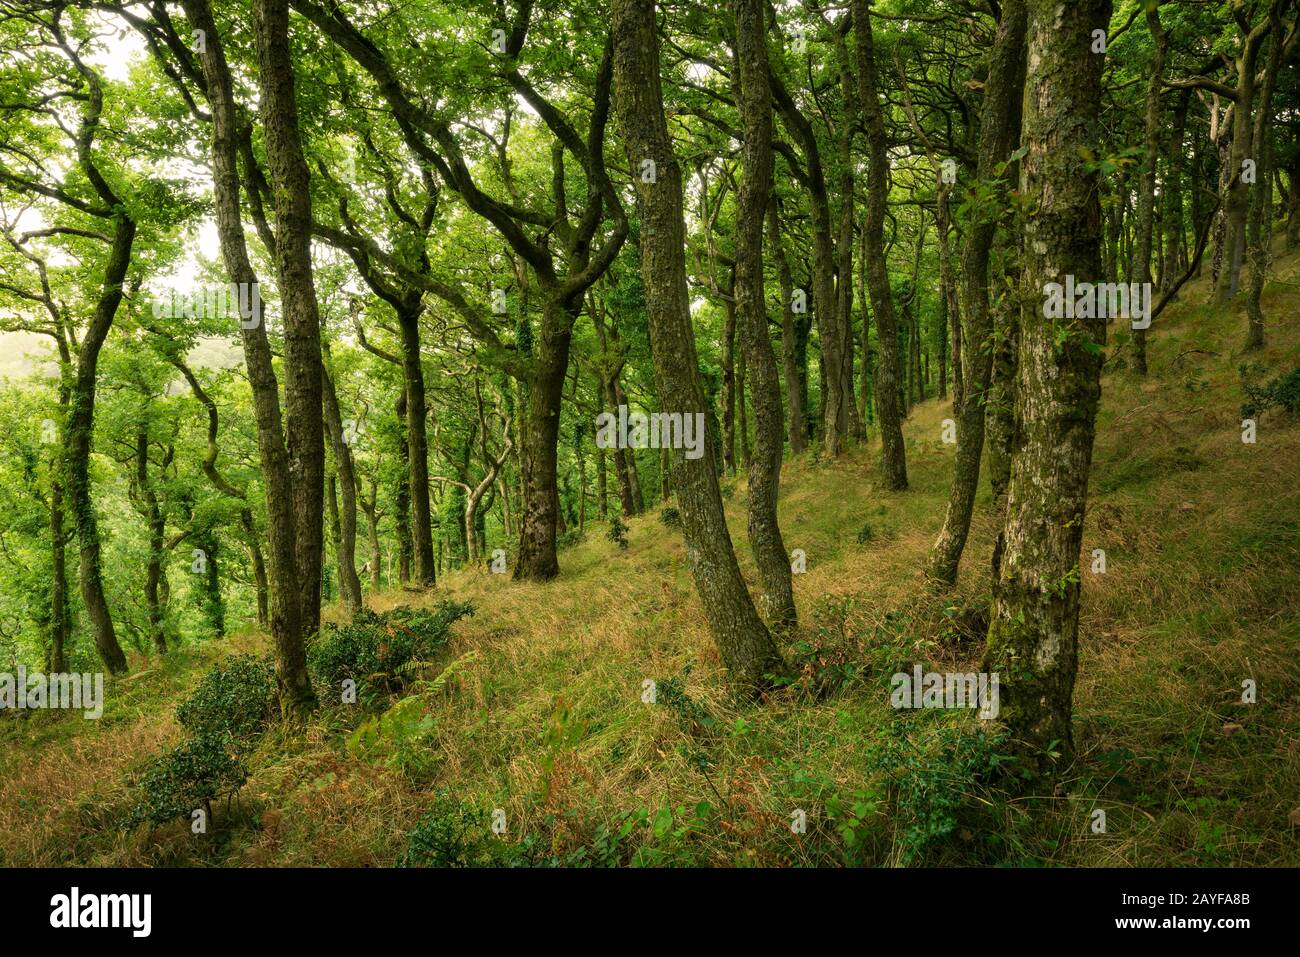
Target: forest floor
(544,716)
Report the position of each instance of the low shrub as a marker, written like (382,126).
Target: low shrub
(373,648)
(234,700)
(617,531)
(1282,391)
(184,779)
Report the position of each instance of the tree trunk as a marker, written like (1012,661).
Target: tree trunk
(539,517)
(157,525)
(611,366)
(755,99)
(794,340)
(370,507)
(402,499)
(417,424)
(1237,203)
(1171,265)
(665,472)
(746,647)
(728,359)
(1140,270)
(259,567)
(1293,194)
(304,429)
(893,455)
(1261,212)
(1032,642)
(1000,123)
(287,625)
(602,487)
(59,617)
(80,432)
(346,553)
(1000,411)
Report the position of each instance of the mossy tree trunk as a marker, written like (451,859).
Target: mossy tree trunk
(746,647)
(1000,122)
(1033,631)
(289,581)
(888,412)
(346,546)
(755,98)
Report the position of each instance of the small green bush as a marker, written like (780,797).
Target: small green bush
(940,779)
(670,517)
(373,648)
(570,538)
(617,531)
(234,700)
(453,833)
(183,779)
(224,715)
(1283,391)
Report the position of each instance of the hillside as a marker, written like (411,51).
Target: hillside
(542,715)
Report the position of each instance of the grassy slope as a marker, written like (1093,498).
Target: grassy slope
(1202,537)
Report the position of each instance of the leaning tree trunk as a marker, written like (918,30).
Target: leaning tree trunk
(755,98)
(999,135)
(80,431)
(346,554)
(746,647)
(893,455)
(1033,633)
(286,606)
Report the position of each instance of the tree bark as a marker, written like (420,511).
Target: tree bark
(1172,218)
(346,554)
(1032,642)
(1237,203)
(888,415)
(541,429)
(157,525)
(286,606)
(1000,123)
(746,647)
(1260,231)
(304,429)
(417,424)
(80,430)
(402,499)
(794,340)
(755,101)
